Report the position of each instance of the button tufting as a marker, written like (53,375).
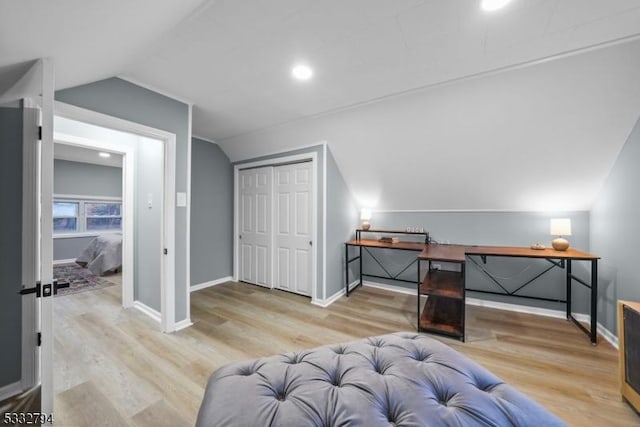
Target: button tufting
(339,350)
(295,359)
(487,388)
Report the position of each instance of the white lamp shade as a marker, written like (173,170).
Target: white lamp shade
(365,214)
(560,227)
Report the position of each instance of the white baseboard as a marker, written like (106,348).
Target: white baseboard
(182,325)
(64,261)
(205,285)
(155,315)
(547,312)
(391,288)
(559,314)
(608,335)
(324,303)
(10,390)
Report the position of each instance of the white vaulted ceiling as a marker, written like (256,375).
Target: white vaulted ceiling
(88,40)
(233,59)
(507,97)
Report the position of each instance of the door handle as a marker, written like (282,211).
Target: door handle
(310,243)
(34,290)
(59,285)
(46,290)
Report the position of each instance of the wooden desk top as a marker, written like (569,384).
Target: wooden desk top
(373,243)
(524,252)
(456,253)
(446,253)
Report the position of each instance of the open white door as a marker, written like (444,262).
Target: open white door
(26,111)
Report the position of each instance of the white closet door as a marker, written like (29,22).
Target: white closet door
(256,193)
(294,207)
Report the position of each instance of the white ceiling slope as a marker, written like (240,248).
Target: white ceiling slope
(542,136)
(539,138)
(88,40)
(233,59)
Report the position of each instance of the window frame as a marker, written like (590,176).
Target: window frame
(81,219)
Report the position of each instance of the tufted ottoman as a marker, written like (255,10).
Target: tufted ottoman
(402,379)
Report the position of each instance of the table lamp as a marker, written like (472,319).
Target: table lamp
(365,216)
(560,227)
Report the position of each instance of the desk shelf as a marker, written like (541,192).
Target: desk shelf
(443,315)
(447,284)
(444,310)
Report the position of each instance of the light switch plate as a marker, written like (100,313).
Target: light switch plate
(181,199)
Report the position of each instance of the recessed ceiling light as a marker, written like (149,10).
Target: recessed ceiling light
(491,5)
(103,154)
(302,72)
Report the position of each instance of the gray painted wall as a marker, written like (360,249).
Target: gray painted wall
(86,179)
(342,220)
(127,101)
(615,232)
(11,245)
(148,220)
(318,149)
(211,213)
(82,179)
(69,247)
(491,228)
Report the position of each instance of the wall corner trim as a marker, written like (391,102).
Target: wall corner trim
(326,302)
(183,324)
(154,314)
(210,283)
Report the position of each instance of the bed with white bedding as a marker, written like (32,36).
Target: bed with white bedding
(103,254)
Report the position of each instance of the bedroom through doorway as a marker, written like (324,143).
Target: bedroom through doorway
(87,218)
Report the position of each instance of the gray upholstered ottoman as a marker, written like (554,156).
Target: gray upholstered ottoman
(402,379)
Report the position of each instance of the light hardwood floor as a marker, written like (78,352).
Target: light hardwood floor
(113,367)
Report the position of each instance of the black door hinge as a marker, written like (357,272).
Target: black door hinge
(165,251)
(39,339)
(40,133)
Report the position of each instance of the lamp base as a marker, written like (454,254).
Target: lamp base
(365,225)
(560,244)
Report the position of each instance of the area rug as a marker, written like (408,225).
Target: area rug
(80,279)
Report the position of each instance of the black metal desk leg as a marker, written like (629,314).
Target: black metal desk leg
(594,301)
(360,266)
(418,294)
(346,269)
(568,288)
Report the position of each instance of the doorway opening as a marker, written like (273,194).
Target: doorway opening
(147,209)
